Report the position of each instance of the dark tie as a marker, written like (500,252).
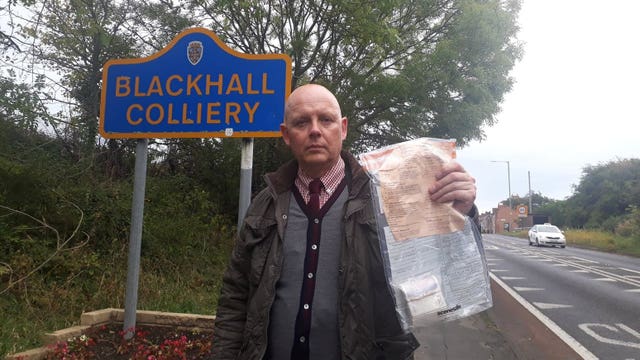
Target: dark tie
(314,194)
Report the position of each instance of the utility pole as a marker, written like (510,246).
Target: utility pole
(530,207)
(508,178)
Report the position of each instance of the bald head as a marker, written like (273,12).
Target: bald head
(310,93)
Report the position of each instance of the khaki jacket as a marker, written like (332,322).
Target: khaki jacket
(369,327)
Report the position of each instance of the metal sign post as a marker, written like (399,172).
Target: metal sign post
(135,239)
(246,168)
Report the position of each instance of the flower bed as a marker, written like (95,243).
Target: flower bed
(158,336)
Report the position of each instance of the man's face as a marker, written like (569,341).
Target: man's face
(314,129)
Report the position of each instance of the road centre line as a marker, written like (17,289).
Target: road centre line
(585,260)
(629,270)
(590,269)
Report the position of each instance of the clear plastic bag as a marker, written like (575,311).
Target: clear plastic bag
(433,255)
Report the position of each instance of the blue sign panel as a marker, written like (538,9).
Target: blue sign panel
(195,87)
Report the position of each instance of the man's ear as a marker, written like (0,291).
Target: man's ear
(285,133)
(345,127)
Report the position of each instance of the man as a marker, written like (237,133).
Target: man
(305,279)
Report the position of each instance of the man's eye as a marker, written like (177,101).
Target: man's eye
(299,123)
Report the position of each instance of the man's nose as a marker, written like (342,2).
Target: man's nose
(315,126)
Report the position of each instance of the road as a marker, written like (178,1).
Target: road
(593,297)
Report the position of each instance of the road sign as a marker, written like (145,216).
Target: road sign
(195,87)
(523,211)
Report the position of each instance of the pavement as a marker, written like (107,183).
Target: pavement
(505,331)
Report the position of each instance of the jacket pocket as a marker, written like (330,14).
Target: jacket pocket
(258,227)
(258,236)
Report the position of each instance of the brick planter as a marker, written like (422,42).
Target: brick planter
(111,316)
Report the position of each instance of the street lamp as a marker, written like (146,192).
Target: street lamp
(530,195)
(508,177)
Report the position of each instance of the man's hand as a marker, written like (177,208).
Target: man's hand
(453,183)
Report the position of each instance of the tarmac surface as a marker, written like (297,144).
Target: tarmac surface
(505,331)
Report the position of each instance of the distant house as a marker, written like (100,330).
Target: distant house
(504,219)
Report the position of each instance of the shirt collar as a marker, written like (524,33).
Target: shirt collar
(330,180)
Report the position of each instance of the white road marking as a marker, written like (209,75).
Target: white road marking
(629,330)
(546,306)
(588,328)
(526,289)
(633,290)
(576,262)
(606,279)
(512,278)
(580,271)
(499,270)
(585,260)
(563,335)
(561,265)
(629,270)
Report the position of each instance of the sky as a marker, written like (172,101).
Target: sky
(574,102)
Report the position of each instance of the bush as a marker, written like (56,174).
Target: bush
(630,226)
(64,232)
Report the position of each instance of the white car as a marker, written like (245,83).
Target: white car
(546,234)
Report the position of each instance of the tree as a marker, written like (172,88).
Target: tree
(607,196)
(74,38)
(537,200)
(7,40)
(20,104)
(556,210)
(401,69)
(605,191)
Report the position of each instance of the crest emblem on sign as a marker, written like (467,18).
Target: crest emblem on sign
(194,52)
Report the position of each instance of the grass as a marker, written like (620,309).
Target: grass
(596,239)
(183,281)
